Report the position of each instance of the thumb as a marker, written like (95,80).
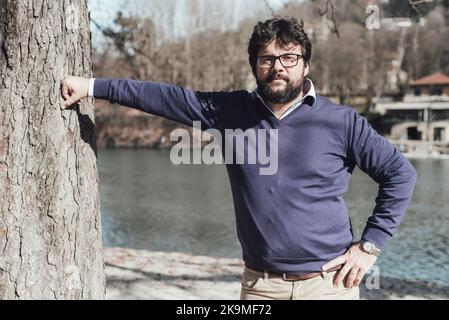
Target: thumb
(337,261)
(65,90)
(70,100)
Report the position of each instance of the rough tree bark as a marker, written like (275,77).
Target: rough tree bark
(50,230)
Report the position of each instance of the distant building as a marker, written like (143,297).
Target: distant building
(436,84)
(419,124)
(397,23)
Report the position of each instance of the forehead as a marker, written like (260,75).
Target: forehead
(275,47)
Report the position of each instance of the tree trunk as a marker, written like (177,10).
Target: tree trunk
(50,229)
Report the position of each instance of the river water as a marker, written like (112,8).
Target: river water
(149,203)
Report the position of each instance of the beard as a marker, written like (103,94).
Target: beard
(288,94)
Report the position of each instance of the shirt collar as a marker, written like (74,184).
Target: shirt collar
(309,98)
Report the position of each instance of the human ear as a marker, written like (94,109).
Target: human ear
(306,69)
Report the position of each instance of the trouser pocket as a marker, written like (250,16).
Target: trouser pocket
(251,278)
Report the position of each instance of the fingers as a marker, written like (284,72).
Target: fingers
(337,261)
(73,90)
(352,276)
(359,277)
(355,264)
(70,95)
(64,90)
(66,94)
(342,274)
(70,101)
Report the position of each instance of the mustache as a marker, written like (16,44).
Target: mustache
(277,77)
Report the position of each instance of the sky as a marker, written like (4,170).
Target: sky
(176,18)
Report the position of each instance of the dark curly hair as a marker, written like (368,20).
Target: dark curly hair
(285,30)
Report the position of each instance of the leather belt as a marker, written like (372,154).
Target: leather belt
(294,277)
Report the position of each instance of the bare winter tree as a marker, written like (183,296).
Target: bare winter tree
(50,230)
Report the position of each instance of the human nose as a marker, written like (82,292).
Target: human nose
(277,65)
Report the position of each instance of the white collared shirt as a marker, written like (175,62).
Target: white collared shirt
(310,93)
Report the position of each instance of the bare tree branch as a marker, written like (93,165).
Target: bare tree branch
(324,11)
(284,4)
(416,3)
(331,16)
(273,13)
(119,40)
(269,7)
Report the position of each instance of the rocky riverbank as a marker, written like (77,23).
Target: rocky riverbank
(140,274)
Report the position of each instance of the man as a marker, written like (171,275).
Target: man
(293,225)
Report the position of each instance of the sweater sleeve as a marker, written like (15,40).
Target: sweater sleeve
(161,99)
(395,175)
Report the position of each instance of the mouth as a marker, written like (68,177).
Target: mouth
(277,79)
(278,82)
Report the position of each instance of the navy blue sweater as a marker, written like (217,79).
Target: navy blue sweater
(296,219)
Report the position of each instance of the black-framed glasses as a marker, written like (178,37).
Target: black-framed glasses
(287,60)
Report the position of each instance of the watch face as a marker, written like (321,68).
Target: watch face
(368,247)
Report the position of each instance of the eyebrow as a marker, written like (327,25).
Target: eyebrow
(270,54)
(288,49)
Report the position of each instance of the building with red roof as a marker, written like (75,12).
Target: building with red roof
(436,84)
(419,124)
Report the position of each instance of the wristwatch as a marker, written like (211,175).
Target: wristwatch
(370,248)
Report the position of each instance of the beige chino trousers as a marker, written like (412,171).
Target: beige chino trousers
(258,285)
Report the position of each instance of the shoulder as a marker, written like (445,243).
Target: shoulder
(326,105)
(334,112)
